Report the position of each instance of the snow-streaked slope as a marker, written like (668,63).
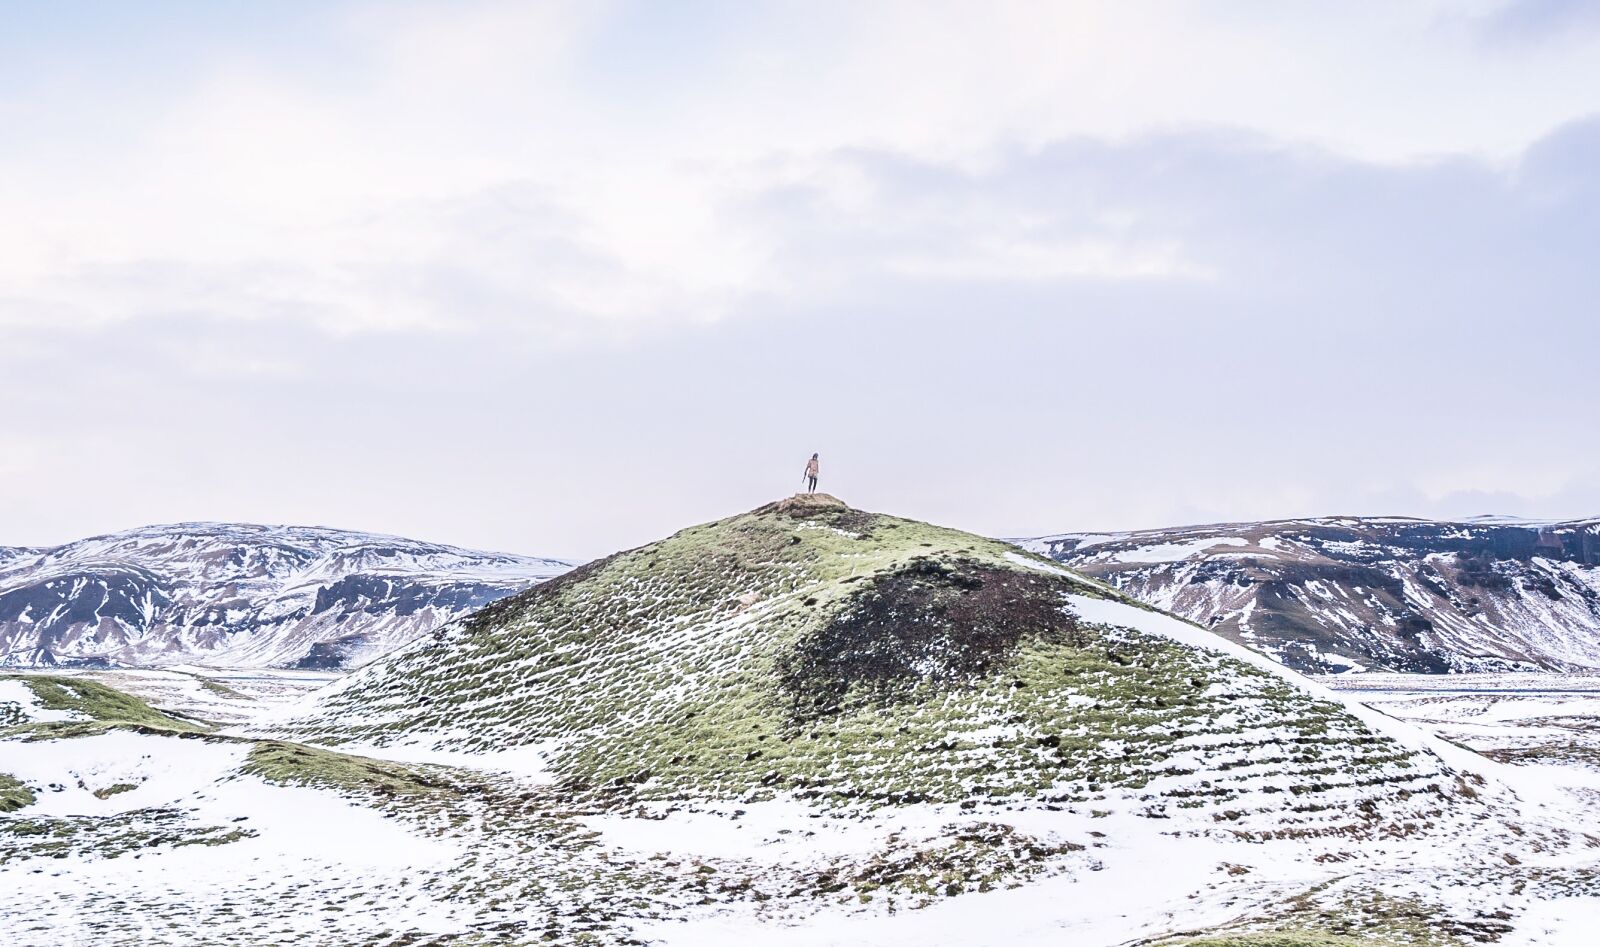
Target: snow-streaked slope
(241,595)
(1347,593)
(861,659)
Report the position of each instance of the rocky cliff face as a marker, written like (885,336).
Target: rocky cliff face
(241,595)
(1344,593)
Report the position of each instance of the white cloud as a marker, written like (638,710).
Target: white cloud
(1001,258)
(325,179)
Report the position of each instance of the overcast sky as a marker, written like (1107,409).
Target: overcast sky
(561,278)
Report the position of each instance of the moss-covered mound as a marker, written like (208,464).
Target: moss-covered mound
(13,794)
(85,706)
(291,764)
(816,650)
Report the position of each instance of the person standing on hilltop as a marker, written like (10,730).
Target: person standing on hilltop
(811,474)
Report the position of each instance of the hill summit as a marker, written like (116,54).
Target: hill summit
(814,650)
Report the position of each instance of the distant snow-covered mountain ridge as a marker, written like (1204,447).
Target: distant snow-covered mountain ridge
(1344,593)
(241,595)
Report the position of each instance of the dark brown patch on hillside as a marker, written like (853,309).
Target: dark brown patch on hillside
(928,622)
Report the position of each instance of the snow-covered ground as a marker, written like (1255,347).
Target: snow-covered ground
(195,852)
(226,696)
(187,848)
(1543,729)
(1128,882)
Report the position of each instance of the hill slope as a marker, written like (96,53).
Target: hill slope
(1337,593)
(813,649)
(241,595)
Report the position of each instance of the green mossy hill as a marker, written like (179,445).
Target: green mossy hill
(291,764)
(856,658)
(95,707)
(13,794)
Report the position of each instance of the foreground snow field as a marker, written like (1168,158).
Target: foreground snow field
(523,777)
(321,865)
